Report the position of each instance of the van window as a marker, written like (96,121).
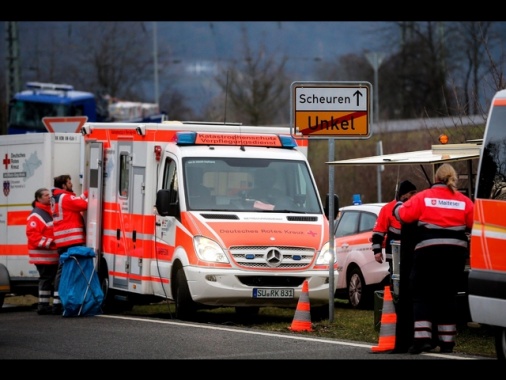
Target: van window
(492,172)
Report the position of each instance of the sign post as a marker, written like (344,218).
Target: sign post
(330,110)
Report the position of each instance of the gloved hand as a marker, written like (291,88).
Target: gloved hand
(84,195)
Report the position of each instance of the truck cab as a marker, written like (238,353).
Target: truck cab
(27,108)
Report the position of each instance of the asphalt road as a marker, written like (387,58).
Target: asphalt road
(26,335)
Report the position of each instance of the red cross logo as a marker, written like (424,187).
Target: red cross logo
(7,161)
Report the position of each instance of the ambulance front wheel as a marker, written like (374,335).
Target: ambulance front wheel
(185,307)
(500,343)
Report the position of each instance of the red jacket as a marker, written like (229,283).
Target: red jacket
(386,225)
(68,220)
(443,217)
(39,233)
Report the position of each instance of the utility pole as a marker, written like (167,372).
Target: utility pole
(12,65)
(155,60)
(375,60)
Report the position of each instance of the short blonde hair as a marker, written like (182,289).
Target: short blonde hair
(446,174)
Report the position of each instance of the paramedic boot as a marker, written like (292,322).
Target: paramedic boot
(44,309)
(57,306)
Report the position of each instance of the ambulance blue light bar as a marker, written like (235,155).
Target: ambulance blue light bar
(240,139)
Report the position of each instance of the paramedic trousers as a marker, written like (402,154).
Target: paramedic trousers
(47,274)
(435,277)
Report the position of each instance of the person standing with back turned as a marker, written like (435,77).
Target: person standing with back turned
(387,225)
(444,218)
(42,247)
(68,221)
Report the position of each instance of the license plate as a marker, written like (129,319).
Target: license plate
(273,293)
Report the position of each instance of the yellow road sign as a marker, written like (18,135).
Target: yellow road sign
(331,109)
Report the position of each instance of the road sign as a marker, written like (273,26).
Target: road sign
(331,109)
(64,124)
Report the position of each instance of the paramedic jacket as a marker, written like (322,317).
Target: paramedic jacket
(40,236)
(434,227)
(388,225)
(68,221)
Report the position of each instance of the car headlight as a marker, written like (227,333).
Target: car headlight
(325,256)
(209,250)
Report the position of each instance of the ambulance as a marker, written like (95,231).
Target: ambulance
(487,275)
(176,213)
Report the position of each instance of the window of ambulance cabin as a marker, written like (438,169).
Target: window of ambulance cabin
(124,175)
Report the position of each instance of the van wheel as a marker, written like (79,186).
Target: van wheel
(357,291)
(2,299)
(185,307)
(500,343)
(111,305)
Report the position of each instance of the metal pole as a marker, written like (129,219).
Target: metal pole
(331,231)
(155,60)
(380,168)
(375,60)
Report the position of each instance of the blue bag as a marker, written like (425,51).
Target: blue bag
(79,289)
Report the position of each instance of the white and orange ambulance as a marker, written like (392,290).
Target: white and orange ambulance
(175,213)
(487,276)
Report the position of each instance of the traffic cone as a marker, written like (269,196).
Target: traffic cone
(388,322)
(302,318)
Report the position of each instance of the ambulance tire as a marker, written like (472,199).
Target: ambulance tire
(2,298)
(185,307)
(500,343)
(110,304)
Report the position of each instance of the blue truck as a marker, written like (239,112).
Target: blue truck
(28,107)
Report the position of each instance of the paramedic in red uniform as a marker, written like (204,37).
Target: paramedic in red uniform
(387,225)
(42,247)
(444,217)
(68,222)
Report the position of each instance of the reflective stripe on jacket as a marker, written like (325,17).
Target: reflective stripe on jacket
(40,238)
(67,218)
(386,225)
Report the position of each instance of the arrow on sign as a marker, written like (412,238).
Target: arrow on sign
(64,124)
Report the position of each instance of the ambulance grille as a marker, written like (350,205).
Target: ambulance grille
(220,216)
(258,257)
(302,218)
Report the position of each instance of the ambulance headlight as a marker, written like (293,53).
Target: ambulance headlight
(209,250)
(325,256)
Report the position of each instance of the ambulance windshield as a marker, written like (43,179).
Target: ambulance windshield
(238,184)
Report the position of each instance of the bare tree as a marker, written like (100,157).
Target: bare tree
(113,57)
(256,88)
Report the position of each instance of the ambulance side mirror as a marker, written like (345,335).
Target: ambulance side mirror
(163,204)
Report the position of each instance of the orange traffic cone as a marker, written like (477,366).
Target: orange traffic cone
(388,322)
(302,318)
